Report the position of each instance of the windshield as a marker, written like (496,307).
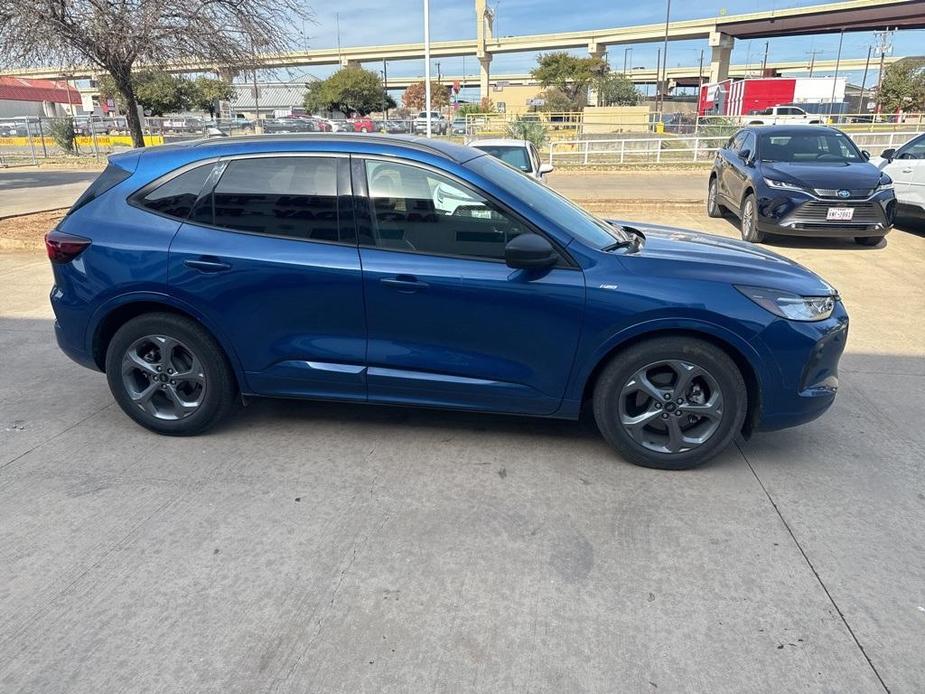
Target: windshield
(515,156)
(807,146)
(593,231)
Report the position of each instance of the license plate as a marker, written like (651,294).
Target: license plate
(841,214)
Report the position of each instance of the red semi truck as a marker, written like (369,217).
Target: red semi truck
(769,100)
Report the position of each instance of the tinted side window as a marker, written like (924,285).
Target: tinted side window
(736,143)
(279,196)
(177,196)
(749,143)
(913,150)
(417,210)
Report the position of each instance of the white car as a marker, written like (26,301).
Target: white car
(781,115)
(438,124)
(521,154)
(906,166)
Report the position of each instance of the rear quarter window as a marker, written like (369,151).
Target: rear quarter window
(176,196)
(112,176)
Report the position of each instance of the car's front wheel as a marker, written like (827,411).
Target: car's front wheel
(868,240)
(169,374)
(749,220)
(714,209)
(670,403)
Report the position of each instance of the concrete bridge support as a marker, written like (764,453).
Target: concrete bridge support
(721,46)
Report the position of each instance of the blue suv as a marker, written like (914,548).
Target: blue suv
(377,269)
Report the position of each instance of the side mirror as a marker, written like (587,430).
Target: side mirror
(530,251)
(546,168)
(745,155)
(888,154)
(865,154)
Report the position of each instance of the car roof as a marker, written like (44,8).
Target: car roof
(332,142)
(500,141)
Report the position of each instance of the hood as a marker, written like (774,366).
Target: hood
(828,175)
(687,254)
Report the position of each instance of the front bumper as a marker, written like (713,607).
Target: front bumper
(807,355)
(800,214)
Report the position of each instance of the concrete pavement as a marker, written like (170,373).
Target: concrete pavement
(316,547)
(24,190)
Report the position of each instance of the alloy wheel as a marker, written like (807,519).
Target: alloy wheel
(163,377)
(748,218)
(671,406)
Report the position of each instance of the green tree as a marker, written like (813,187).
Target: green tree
(556,101)
(414,96)
(157,92)
(569,74)
(115,37)
(484,106)
(903,86)
(206,92)
(351,90)
(617,90)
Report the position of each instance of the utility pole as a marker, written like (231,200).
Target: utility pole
(664,86)
(385,89)
(861,106)
(812,59)
(427,65)
(764,61)
(841,38)
(700,75)
(884,46)
(337,20)
(627,52)
(658,63)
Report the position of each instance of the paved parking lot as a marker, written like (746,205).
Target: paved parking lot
(333,548)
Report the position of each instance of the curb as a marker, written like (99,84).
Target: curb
(31,212)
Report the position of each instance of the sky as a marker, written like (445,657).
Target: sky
(368,22)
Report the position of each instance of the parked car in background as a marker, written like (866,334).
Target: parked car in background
(781,115)
(340,125)
(678,342)
(800,181)
(438,124)
(363,124)
(458,126)
(88,125)
(289,125)
(521,154)
(906,166)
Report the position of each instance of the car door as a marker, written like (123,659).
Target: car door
(449,323)
(739,173)
(907,169)
(269,256)
(731,174)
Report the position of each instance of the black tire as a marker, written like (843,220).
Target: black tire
(714,209)
(748,222)
(217,396)
(625,365)
(868,240)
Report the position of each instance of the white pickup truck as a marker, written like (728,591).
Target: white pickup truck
(781,115)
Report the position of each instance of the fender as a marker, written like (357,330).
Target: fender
(579,379)
(167,300)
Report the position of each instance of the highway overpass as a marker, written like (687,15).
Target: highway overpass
(720,32)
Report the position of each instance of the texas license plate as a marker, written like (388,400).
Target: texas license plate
(841,214)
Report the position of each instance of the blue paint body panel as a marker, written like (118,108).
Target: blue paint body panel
(314,319)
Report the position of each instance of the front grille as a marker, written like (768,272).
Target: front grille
(815,213)
(832,193)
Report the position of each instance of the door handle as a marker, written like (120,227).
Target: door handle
(406,284)
(207,265)
(907,170)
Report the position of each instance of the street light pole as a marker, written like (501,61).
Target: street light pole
(427,64)
(626,53)
(841,38)
(660,97)
(870,49)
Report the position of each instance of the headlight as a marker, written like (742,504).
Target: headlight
(783,185)
(885,185)
(791,306)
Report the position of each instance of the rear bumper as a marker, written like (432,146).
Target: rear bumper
(74,352)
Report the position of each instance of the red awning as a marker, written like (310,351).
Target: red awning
(19,89)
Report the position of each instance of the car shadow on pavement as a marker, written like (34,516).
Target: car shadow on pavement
(903,226)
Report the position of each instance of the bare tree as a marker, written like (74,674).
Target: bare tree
(120,36)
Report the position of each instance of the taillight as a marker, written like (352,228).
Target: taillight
(63,248)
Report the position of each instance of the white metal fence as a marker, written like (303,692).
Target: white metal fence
(635,150)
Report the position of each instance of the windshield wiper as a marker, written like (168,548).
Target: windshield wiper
(620,244)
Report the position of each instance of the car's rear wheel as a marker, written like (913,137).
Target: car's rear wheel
(868,240)
(670,403)
(169,374)
(749,220)
(714,209)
